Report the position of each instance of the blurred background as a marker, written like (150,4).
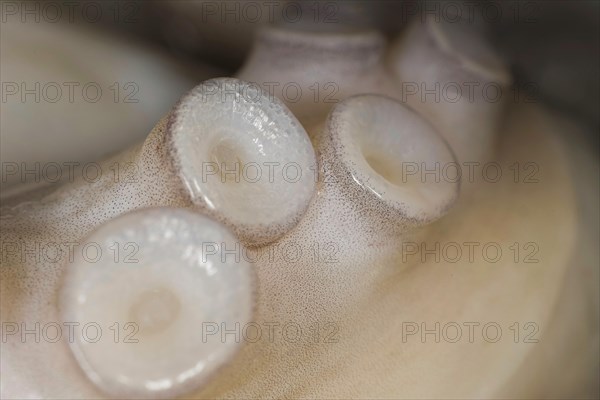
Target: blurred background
(83,79)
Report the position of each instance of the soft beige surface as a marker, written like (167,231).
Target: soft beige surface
(136,83)
(370,360)
(369,293)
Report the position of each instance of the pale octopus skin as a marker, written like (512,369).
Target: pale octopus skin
(364,296)
(113,122)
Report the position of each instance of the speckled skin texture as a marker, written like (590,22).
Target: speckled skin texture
(351,281)
(327,234)
(147,176)
(368,293)
(66,215)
